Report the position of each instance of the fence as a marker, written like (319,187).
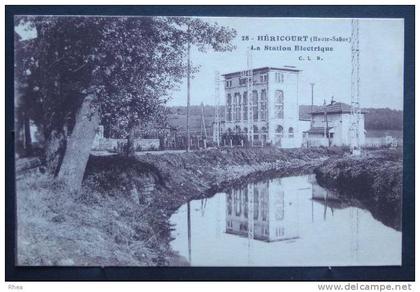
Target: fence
(118,145)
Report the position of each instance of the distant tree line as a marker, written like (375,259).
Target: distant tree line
(383,119)
(375,118)
(209,110)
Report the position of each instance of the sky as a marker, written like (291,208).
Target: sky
(381,59)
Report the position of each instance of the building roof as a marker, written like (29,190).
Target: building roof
(290,69)
(334,108)
(317,130)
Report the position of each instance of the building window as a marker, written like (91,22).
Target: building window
(235,100)
(279,97)
(238,108)
(229,108)
(229,203)
(229,99)
(263,95)
(279,207)
(256,204)
(291,134)
(245,105)
(279,104)
(237,105)
(243,226)
(237,202)
(228,83)
(279,77)
(255,105)
(263,108)
(263,130)
(279,131)
(263,111)
(263,78)
(242,81)
(280,231)
(245,192)
(255,97)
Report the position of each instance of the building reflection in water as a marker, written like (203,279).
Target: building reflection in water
(269,211)
(277,210)
(262,211)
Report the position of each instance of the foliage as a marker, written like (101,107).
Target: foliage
(107,224)
(128,63)
(374,179)
(375,118)
(384,119)
(209,110)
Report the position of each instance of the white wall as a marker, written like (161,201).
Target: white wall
(341,124)
(291,109)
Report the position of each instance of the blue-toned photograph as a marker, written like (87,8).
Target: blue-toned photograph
(208,141)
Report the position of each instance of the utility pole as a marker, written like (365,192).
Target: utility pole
(188,88)
(203,127)
(326,130)
(325,122)
(355,88)
(312,103)
(217,105)
(250,95)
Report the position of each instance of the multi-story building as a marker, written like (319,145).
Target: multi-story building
(271,113)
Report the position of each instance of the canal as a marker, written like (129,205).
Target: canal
(289,221)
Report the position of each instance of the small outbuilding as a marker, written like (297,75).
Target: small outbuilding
(331,125)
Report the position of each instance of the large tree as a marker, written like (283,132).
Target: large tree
(117,70)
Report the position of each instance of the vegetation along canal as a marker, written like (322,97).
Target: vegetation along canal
(252,203)
(287,221)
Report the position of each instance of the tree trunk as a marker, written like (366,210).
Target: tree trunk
(54,151)
(79,145)
(130,150)
(27,137)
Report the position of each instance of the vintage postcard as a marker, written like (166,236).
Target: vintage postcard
(208,141)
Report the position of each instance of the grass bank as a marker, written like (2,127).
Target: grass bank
(121,215)
(375,180)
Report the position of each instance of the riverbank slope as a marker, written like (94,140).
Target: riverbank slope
(121,215)
(374,180)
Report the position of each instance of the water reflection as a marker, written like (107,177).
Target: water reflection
(258,213)
(281,222)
